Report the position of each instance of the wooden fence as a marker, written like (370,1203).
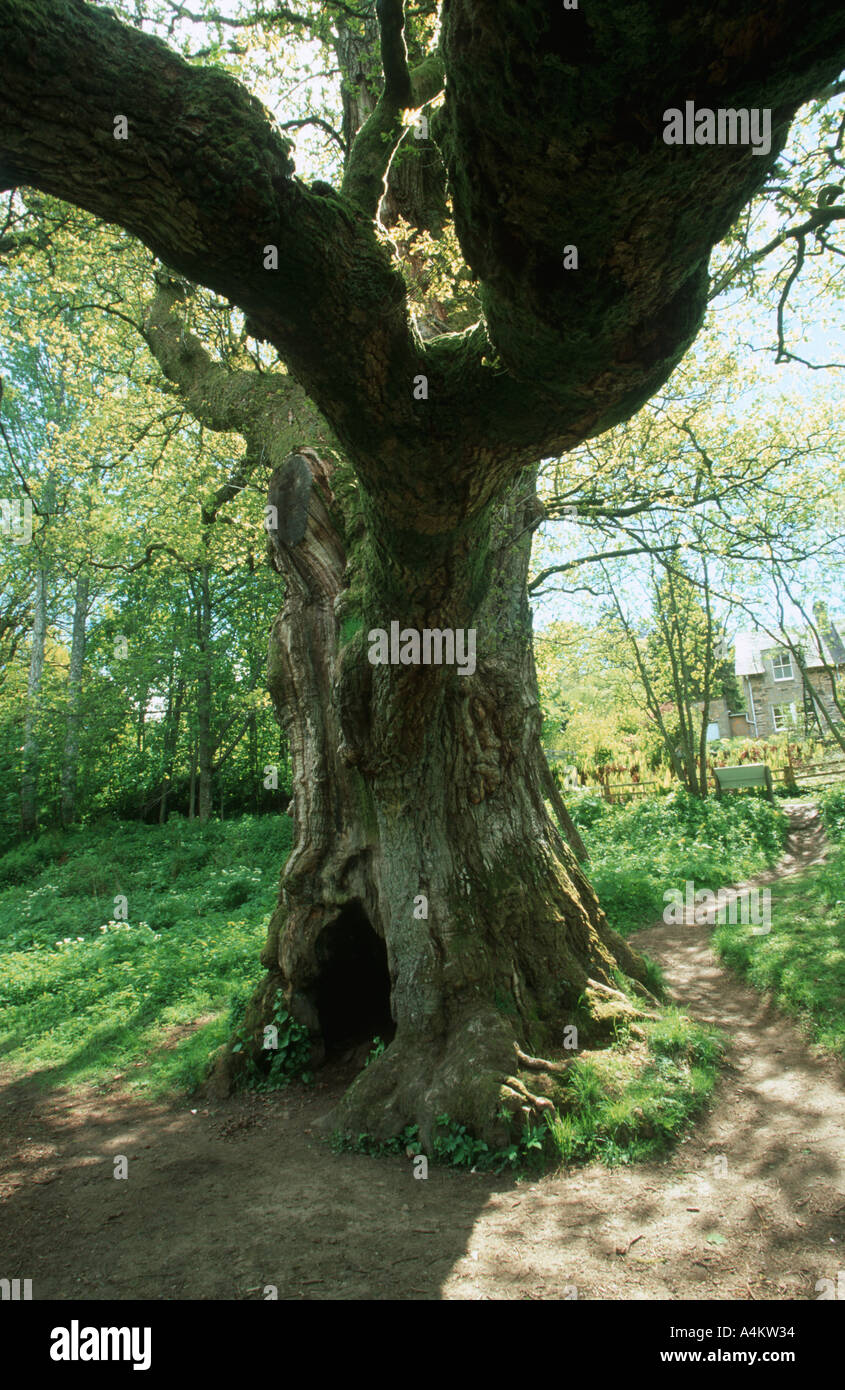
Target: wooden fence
(812,774)
(805,776)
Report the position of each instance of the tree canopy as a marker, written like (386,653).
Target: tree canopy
(550,127)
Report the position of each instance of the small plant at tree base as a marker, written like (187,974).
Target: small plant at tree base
(407,1142)
(378,1048)
(457,1146)
(454,1146)
(290,1060)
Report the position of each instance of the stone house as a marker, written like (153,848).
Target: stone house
(774,695)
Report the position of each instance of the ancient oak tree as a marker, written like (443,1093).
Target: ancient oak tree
(430,896)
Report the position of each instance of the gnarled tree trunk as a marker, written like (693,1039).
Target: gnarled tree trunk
(429,898)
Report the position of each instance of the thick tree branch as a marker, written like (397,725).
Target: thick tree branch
(206,180)
(565,147)
(552,132)
(394,54)
(271,411)
(376,141)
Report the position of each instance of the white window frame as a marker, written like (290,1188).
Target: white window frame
(781,657)
(792,720)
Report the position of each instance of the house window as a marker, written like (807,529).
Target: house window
(782,666)
(713,732)
(783,717)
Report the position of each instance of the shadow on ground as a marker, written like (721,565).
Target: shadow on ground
(224,1200)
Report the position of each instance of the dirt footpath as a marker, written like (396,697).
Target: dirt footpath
(223,1201)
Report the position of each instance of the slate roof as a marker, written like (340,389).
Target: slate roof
(750,648)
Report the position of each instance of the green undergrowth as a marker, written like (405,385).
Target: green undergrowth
(801,960)
(86,994)
(626,1103)
(640,850)
(286,1056)
(831,804)
(633,1100)
(452,1145)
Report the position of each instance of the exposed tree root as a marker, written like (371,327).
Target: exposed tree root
(623,999)
(541,1063)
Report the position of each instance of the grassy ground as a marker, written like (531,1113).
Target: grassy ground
(86,994)
(802,959)
(89,995)
(640,850)
(631,1101)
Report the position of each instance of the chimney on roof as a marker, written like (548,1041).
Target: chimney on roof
(827,631)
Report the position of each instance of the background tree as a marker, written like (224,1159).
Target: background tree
(142,505)
(711,492)
(682,660)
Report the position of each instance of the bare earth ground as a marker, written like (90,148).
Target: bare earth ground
(222,1201)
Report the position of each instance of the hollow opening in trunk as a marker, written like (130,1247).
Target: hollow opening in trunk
(352,994)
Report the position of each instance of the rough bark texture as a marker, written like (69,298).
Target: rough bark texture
(416,782)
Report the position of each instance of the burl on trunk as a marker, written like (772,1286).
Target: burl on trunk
(430,898)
